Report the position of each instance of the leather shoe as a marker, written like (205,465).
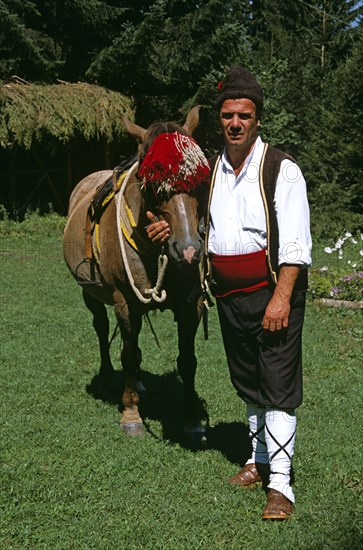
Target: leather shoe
(247,477)
(278,506)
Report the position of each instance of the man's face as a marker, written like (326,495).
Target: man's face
(239,123)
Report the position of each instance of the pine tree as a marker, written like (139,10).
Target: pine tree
(41,40)
(25,49)
(334,160)
(175,55)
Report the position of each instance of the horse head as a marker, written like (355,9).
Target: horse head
(173,173)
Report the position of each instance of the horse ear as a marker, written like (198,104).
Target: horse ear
(137,131)
(192,120)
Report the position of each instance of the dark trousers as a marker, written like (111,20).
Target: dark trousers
(265,368)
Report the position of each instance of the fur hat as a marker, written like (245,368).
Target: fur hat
(237,84)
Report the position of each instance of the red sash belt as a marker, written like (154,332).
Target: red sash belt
(239,273)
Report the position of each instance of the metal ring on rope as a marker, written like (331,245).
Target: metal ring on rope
(154,293)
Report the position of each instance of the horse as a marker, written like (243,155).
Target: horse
(135,279)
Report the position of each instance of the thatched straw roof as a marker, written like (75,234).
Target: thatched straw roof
(30,112)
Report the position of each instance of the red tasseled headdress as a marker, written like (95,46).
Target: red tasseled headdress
(174,164)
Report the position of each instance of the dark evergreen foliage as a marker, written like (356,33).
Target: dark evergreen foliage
(170,54)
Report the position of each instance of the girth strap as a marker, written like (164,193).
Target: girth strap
(88,253)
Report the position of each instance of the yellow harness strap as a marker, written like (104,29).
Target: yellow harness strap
(128,223)
(130,218)
(106,201)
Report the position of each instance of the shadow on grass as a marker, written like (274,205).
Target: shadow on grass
(232,440)
(163,401)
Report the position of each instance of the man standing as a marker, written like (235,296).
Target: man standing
(259,246)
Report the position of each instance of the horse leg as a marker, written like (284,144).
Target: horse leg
(130,422)
(188,321)
(102,327)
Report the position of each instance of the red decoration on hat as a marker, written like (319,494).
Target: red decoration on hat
(174,164)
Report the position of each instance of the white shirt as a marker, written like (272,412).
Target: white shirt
(238,221)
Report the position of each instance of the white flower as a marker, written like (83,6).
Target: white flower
(339,244)
(340,254)
(347,234)
(328,250)
(361,252)
(353,241)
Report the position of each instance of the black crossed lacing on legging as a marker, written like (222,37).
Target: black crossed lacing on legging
(281,447)
(255,434)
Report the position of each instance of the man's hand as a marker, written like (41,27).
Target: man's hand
(158,231)
(277,314)
(278,309)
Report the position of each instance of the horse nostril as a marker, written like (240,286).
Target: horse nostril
(189,254)
(186,253)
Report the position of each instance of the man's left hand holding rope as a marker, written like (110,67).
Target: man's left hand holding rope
(158,230)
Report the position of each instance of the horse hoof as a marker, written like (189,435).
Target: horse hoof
(133,429)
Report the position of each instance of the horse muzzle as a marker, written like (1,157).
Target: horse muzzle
(185,255)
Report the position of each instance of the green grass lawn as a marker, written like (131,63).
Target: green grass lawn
(71,480)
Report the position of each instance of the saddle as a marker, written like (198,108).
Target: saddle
(102,197)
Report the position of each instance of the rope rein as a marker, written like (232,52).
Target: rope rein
(150,293)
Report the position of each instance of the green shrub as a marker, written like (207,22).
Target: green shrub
(349,287)
(338,273)
(321,283)
(34,223)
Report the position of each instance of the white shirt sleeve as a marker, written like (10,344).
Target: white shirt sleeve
(293,216)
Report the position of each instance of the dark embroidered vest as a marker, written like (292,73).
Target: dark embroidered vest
(269,170)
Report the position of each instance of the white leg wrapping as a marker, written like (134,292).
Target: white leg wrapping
(256,422)
(280,432)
